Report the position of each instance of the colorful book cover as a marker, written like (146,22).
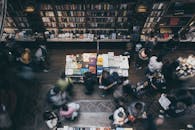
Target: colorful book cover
(119,128)
(99,70)
(83,70)
(76,71)
(92,61)
(105,60)
(85,64)
(100,60)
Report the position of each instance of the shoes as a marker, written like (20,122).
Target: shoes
(45,70)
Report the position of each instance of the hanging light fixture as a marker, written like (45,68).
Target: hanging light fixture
(142,8)
(30,8)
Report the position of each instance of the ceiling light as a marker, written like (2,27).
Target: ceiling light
(141,9)
(30,9)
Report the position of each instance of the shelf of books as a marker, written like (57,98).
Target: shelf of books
(86,21)
(48,17)
(77,65)
(10,26)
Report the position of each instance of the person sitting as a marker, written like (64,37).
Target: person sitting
(137,111)
(65,84)
(89,81)
(144,54)
(157,82)
(56,97)
(69,111)
(50,119)
(119,117)
(171,106)
(107,81)
(155,64)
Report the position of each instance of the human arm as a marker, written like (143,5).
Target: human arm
(110,85)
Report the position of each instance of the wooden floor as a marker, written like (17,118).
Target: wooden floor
(95,109)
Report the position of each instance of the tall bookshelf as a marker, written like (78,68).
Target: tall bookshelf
(16,22)
(10,26)
(106,20)
(48,17)
(71,17)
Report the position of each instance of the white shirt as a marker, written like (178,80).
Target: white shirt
(154,65)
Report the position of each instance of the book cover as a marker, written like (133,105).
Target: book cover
(83,70)
(92,61)
(105,60)
(124,63)
(68,71)
(99,70)
(100,60)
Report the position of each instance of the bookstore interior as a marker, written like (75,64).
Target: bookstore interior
(97,64)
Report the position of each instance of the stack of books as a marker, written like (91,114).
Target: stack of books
(113,63)
(77,65)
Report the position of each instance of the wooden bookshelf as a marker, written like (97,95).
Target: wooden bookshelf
(102,18)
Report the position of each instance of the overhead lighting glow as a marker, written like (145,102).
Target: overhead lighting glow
(30,9)
(142,9)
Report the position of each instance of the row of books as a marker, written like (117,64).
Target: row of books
(48,19)
(71,25)
(108,19)
(101,25)
(87,36)
(50,24)
(46,7)
(71,7)
(72,19)
(71,13)
(92,128)
(47,13)
(102,6)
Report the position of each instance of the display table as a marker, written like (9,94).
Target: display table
(186,68)
(92,128)
(113,63)
(77,65)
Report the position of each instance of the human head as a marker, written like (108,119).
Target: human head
(138,106)
(120,114)
(56,90)
(115,76)
(65,107)
(147,51)
(159,58)
(105,74)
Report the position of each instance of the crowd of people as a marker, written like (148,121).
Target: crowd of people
(159,77)
(18,66)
